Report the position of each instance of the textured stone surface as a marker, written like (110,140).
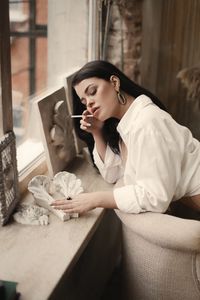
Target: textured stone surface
(37,256)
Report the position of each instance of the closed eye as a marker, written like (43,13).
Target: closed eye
(92,91)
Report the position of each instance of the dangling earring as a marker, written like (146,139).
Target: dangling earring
(121,98)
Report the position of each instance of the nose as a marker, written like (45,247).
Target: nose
(90,102)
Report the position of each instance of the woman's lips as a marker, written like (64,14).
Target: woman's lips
(96,111)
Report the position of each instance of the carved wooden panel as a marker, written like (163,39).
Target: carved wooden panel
(57,131)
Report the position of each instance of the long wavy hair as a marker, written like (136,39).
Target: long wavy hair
(104,70)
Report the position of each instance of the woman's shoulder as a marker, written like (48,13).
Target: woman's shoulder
(152,115)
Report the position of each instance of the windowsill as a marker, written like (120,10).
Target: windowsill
(37,256)
(31,161)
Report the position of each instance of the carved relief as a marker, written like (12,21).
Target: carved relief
(30,214)
(57,131)
(45,190)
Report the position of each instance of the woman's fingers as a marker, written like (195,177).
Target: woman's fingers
(61,204)
(85,123)
(68,207)
(76,205)
(58,202)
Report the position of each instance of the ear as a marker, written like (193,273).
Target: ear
(115,82)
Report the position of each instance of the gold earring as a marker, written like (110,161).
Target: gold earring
(121,98)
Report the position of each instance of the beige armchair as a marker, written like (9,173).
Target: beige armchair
(160,257)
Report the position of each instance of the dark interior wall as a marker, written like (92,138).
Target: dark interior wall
(171,42)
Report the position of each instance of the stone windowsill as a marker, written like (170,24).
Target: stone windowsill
(37,256)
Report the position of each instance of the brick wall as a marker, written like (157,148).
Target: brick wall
(124,40)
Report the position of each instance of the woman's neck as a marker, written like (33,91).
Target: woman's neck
(122,109)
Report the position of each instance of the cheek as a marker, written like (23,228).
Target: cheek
(109,95)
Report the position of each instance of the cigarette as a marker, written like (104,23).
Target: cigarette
(80,116)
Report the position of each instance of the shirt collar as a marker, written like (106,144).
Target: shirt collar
(131,114)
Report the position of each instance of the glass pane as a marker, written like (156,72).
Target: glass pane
(20,86)
(28,24)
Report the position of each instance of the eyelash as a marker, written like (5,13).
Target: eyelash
(91,93)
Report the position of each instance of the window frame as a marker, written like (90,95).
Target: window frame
(38,165)
(5,64)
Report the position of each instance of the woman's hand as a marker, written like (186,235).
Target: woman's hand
(90,124)
(80,204)
(85,202)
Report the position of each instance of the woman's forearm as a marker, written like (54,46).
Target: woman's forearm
(105,199)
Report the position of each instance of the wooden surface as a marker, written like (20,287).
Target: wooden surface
(37,256)
(171,42)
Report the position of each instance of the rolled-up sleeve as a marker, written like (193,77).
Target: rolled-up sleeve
(155,160)
(111,168)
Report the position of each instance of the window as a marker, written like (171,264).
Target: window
(48,41)
(57,53)
(28,32)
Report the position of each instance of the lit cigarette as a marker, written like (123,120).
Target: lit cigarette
(80,116)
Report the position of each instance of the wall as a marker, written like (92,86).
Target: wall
(124,40)
(171,42)
(68,50)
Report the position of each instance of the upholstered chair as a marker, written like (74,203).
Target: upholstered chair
(160,257)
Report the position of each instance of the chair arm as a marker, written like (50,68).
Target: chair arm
(164,230)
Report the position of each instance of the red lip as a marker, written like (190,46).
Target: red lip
(95,111)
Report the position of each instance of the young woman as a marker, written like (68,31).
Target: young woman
(134,138)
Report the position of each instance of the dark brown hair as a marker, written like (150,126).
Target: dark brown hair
(104,70)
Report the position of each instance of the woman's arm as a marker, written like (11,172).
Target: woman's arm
(156,162)
(85,202)
(94,126)
(108,163)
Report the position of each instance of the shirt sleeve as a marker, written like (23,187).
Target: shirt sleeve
(156,162)
(111,168)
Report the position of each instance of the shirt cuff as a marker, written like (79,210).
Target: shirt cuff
(125,199)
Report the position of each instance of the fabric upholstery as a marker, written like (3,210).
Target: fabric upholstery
(160,257)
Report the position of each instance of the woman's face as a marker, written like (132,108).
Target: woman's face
(99,96)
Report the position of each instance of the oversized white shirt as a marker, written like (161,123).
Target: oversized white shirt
(162,164)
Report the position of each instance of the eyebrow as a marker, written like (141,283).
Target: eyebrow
(86,90)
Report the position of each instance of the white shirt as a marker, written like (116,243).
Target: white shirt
(163,160)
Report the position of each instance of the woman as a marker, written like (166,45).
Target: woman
(134,138)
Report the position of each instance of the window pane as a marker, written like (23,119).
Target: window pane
(28,23)
(65,51)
